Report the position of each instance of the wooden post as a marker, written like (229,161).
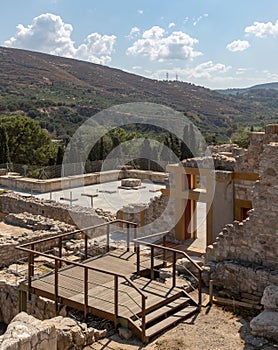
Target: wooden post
(174,269)
(107,238)
(85,291)
(56,287)
(210,291)
(22,302)
(152,263)
(116,301)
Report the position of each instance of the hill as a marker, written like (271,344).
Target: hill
(266,86)
(61,93)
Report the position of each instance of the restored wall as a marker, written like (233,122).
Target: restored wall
(223,202)
(244,256)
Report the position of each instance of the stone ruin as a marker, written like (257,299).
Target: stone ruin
(242,262)
(243,259)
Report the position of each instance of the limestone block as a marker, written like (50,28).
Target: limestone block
(165,273)
(125,333)
(183,265)
(130,182)
(270,298)
(265,325)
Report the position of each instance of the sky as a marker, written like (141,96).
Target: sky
(212,43)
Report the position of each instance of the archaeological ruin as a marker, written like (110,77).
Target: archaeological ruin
(204,227)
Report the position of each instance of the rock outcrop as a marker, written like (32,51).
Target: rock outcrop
(266,323)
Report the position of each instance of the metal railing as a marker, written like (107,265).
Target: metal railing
(59,261)
(175,252)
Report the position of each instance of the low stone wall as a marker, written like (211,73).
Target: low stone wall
(30,185)
(82,217)
(42,228)
(39,307)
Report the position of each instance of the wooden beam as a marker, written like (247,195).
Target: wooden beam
(245,176)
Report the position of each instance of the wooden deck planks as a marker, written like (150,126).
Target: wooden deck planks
(101,285)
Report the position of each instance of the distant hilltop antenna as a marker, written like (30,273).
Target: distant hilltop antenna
(167,76)
(177,77)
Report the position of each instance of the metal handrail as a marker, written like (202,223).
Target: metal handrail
(62,235)
(139,242)
(83,266)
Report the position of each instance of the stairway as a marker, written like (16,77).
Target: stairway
(164,315)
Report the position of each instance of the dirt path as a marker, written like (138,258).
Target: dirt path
(212,329)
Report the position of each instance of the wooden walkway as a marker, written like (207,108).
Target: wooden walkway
(99,296)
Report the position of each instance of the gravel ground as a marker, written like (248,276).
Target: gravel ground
(212,329)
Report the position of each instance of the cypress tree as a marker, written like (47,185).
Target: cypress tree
(185,145)
(4,146)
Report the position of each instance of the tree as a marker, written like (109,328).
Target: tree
(185,150)
(27,142)
(4,146)
(60,155)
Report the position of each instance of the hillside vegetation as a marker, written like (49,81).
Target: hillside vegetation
(61,93)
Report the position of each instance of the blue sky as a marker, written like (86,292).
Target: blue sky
(213,43)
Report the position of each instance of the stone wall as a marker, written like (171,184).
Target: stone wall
(59,333)
(28,333)
(21,183)
(82,217)
(244,256)
(156,216)
(38,228)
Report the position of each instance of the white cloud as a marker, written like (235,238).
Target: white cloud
(206,70)
(160,47)
(137,68)
(48,33)
(140,12)
(171,25)
(134,32)
(261,30)
(197,20)
(238,45)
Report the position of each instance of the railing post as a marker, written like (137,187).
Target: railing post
(152,263)
(143,318)
(107,237)
(85,291)
(60,251)
(200,288)
(116,301)
(135,237)
(138,259)
(30,271)
(86,246)
(164,251)
(32,260)
(56,281)
(128,236)
(174,269)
